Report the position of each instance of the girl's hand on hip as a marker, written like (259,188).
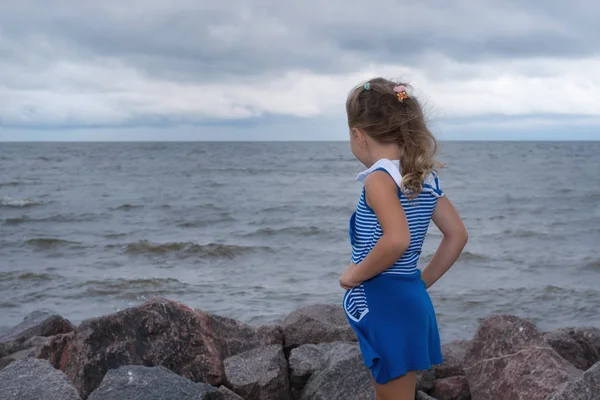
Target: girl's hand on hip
(348,278)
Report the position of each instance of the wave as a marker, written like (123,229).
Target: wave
(49,243)
(593,265)
(469,256)
(60,218)
(127,207)
(19,203)
(27,276)
(10,184)
(523,233)
(187,249)
(293,230)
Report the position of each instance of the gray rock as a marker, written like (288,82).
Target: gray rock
(509,359)
(134,382)
(452,388)
(306,360)
(454,359)
(586,387)
(32,379)
(423,396)
(236,337)
(341,376)
(579,346)
(5,361)
(425,380)
(319,323)
(259,374)
(38,323)
(229,394)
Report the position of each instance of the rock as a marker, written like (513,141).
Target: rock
(453,388)
(159,332)
(586,387)
(509,359)
(423,396)
(229,394)
(236,337)
(135,382)
(425,380)
(5,361)
(579,346)
(32,379)
(454,359)
(56,350)
(307,359)
(259,374)
(342,375)
(38,323)
(319,323)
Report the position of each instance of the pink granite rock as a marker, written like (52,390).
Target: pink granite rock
(509,359)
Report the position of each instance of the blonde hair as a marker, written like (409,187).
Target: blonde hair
(376,109)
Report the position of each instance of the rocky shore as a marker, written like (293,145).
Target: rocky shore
(168,351)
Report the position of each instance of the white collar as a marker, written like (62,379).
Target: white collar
(392,167)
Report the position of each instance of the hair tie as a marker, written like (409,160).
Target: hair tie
(367,86)
(401,94)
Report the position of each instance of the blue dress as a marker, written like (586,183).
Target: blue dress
(392,313)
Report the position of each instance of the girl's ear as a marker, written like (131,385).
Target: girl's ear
(359,137)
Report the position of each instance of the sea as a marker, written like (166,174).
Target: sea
(256,230)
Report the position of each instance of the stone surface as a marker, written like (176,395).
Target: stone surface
(425,380)
(306,360)
(159,332)
(319,323)
(423,396)
(342,375)
(259,374)
(134,382)
(229,394)
(36,325)
(5,361)
(452,388)
(586,387)
(509,359)
(579,346)
(32,379)
(454,359)
(236,337)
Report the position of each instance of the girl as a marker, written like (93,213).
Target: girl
(386,301)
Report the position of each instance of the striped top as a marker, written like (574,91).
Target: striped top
(365,230)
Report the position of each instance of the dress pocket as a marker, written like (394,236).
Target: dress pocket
(355,303)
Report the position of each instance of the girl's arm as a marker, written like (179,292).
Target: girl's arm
(455,238)
(381,194)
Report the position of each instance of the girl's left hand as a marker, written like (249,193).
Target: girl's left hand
(347,279)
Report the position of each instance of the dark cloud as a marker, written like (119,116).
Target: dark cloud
(188,40)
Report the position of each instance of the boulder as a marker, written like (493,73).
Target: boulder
(307,359)
(453,388)
(236,337)
(423,396)
(134,382)
(34,326)
(159,332)
(19,355)
(229,394)
(425,380)
(509,359)
(259,374)
(586,387)
(454,359)
(32,379)
(341,375)
(319,323)
(579,346)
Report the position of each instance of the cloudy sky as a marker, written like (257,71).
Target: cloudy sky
(280,70)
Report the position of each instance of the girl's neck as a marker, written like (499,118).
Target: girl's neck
(391,152)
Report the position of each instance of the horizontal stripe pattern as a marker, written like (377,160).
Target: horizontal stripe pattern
(365,231)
